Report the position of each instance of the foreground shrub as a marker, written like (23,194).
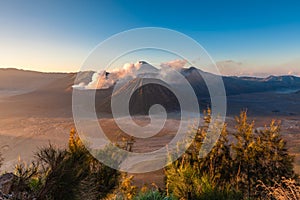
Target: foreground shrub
(64,174)
(230,169)
(23,183)
(259,155)
(185,184)
(153,195)
(196,177)
(126,188)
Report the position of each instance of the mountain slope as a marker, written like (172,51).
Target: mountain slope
(144,93)
(50,94)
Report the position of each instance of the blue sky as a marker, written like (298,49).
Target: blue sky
(258,37)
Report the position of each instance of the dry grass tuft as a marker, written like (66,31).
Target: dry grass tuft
(287,189)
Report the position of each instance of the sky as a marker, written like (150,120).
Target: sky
(242,37)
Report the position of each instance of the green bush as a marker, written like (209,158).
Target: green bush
(230,170)
(153,195)
(65,174)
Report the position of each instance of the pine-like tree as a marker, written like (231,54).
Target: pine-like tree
(276,162)
(259,156)
(192,176)
(245,153)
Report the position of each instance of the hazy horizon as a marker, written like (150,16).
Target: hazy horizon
(238,73)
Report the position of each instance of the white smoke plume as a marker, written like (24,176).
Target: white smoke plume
(104,80)
(129,71)
(100,80)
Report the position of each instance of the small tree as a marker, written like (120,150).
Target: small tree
(259,156)
(217,164)
(244,150)
(276,161)
(194,177)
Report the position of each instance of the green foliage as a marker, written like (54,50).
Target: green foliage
(260,156)
(65,174)
(276,161)
(153,195)
(184,183)
(23,180)
(196,177)
(211,191)
(229,170)
(35,184)
(74,173)
(127,189)
(180,179)
(64,179)
(246,153)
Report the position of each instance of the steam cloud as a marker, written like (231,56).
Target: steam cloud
(129,71)
(104,80)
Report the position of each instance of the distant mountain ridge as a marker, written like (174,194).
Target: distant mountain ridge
(52,92)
